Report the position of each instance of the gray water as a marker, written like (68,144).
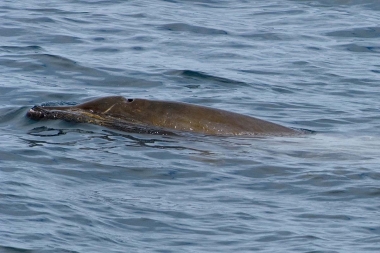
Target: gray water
(83,188)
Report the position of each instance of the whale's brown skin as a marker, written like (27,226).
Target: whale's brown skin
(160,117)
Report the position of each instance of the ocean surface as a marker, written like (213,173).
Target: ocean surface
(312,64)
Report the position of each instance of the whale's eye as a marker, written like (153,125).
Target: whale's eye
(130,100)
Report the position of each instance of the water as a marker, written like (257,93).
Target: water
(84,188)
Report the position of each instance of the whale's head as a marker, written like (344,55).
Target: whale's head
(111,112)
(97,109)
(106,105)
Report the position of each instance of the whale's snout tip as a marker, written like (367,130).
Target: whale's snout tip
(35,113)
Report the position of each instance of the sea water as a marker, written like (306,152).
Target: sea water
(82,188)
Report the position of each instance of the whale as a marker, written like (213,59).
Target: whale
(161,117)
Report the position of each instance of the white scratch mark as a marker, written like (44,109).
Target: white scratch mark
(109,109)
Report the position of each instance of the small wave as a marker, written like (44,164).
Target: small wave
(204,76)
(21,49)
(181,27)
(362,32)
(353,47)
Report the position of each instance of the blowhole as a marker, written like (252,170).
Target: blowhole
(130,100)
